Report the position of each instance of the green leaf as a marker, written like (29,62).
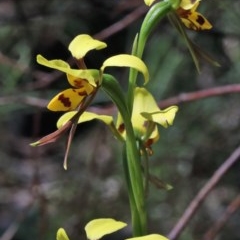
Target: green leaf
(97,228)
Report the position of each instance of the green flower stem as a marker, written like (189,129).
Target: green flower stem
(136,222)
(153,17)
(132,162)
(136,180)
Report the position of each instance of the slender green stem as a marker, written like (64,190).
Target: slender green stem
(132,161)
(153,17)
(136,190)
(136,180)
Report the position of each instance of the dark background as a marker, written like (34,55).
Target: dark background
(37,196)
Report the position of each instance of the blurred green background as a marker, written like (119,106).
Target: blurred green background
(37,196)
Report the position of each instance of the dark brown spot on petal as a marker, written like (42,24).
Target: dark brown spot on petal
(145,124)
(82,93)
(121,128)
(183,13)
(64,100)
(78,83)
(200,20)
(148,143)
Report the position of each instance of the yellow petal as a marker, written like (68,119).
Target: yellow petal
(188,4)
(153,137)
(84,43)
(85,117)
(143,102)
(80,84)
(65,118)
(61,234)
(67,100)
(197,21)
(149,237)
(163,117)
(125,60)
(99,227)
(63,66)
(149,2)
(56,64)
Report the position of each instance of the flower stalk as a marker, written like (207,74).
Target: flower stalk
(138,112)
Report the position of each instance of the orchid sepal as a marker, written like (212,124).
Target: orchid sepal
(84,43)
(126,60)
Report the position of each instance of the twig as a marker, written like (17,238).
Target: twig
(196,202)
(193,96)
(44,79)
(181,98)
(120,25)
(215,229)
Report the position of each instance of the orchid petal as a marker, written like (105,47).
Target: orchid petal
(61,234)
(188,4)
(149,2)
(97,228)
(85,117)
(125,60)
(196,21)
(67,100)
(149,237)
(63,66)
(80,84)
(143,102)
(162,117)
(84,43)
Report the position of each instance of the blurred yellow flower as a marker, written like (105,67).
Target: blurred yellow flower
(190,17)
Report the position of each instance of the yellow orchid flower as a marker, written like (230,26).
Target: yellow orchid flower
(145,117)
(190,17)
(84,82)
(186,10)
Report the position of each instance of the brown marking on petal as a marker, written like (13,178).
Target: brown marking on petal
(148,148)
(200,20)
(148,143)
(78,83)
(82,93)
(183,13)
(64,100)
(121,128)
(146,124)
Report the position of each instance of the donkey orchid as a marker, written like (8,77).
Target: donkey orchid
(145,117)
(186,10)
